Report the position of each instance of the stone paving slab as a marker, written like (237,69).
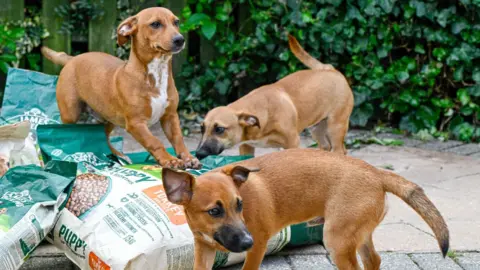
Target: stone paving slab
(302,262)
(269,263)
(397,261)
(465,149)
(434,261)
(436,145)
(469,261)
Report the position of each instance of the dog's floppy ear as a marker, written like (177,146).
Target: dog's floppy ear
(126,29)
(238,173)
(248,120)
(178,186)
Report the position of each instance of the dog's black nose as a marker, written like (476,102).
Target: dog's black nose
(246,242)
(201,154)
(178,41)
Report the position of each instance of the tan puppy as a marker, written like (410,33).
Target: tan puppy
(134,94)
(291,187)
(274,115)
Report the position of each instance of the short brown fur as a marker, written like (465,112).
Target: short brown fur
(274,115)
(122,92)
(349,193)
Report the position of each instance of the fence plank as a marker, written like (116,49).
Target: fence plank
(176,6)
(12,10)
(55,41)
(100,30)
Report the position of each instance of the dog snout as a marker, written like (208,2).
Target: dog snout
(234,239)
(178,41)
(201,153)
(246,242)
(209,147)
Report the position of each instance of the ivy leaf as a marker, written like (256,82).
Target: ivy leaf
(439,53)
(428,116)
(8,57)
(410,123)
(419,49)
(402,76)
(459,26)
(222,86)
(353,13)
(420,8)
(474,90)
(361,94)
(463,131)
(198,19)
(3,67)
(458,74)
(361,114)
(284,56)
(208,29)
(476,75)
(387,5)
(463,96)
(444,15)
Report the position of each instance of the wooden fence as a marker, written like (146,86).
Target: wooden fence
(99,30)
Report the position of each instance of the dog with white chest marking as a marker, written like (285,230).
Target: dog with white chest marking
(135,94)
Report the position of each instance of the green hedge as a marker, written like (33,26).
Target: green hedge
(412,63)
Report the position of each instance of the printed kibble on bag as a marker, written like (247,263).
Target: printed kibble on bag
(89,188)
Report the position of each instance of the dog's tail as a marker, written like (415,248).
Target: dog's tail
(414,196)
(304,57)
(59,58)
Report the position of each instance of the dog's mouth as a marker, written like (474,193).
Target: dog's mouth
(161,49)
(174,50)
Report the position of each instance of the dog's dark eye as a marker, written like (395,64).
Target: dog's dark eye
(176,23)
(219,130)
(239,205)
(215,212)
(155,25)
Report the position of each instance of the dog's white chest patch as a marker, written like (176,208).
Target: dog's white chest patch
(158,68)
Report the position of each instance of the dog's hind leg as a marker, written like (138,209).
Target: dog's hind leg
(319,134)
(69,103)
(370,258)
(341,245)
(108,130)
(336,132)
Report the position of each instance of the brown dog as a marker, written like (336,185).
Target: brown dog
(274,115)
(134,94)
(291,187)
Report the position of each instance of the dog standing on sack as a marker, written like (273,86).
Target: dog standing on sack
(239,207)
(133,94)
(275,114)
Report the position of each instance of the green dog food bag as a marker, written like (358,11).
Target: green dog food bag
(30,200)
(31,95)
(85,144)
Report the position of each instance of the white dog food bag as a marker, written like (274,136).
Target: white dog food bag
(120,218)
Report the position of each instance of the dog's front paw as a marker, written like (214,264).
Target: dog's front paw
(191,162)
(173,163)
